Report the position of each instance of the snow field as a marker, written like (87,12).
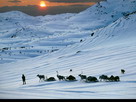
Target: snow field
(110,49)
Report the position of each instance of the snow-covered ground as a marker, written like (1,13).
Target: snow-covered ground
(99,40)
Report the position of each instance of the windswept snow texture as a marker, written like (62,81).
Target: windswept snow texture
(99,40)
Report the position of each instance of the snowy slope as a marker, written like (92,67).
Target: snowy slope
(22,33)
(103,13)
(26,36)
(111,48)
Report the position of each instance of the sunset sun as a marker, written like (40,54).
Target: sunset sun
(42,4)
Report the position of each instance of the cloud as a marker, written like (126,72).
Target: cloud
(73,1)
(34,10)
(14,1)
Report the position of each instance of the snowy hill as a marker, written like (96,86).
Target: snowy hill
(103,13)
(99,40)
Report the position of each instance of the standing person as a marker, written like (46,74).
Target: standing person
(23,79)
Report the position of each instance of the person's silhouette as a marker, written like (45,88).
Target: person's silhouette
(23,79)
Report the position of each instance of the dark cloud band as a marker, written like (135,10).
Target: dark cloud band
(34,10)
(73,1)
(14,1)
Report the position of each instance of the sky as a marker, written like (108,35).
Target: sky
(32,7)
